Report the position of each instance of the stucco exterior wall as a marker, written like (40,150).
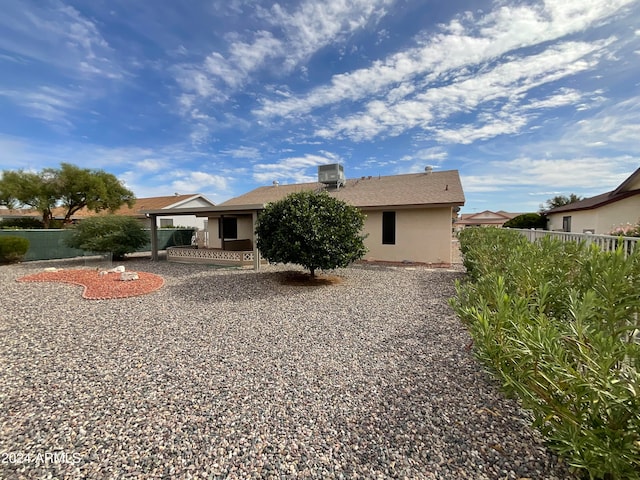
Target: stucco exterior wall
(600,220)
(422,235)
(245,230)
(184,221)
(214,241)
(245,227)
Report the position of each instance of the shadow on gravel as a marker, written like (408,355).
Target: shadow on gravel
(249,286)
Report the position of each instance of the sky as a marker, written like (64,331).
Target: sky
(526,99)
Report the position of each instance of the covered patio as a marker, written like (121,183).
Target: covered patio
(229,239)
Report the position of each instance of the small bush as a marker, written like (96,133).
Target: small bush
(115,234)
(21,222)
(527,220)
(557,323)
(13,249)
(311,229)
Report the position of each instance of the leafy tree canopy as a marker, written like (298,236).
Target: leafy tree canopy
(34,190)
(527,220)
(95,189)
(69,186)
(115,234)
(559,201)
(311,229)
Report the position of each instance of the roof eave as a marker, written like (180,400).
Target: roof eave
(201,211)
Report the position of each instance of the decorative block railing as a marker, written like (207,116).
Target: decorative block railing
(209,255)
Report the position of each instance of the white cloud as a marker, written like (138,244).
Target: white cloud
(293,169)
(148,172)
(59,35)
(151,164)
(316,24)
(585,176)
(617,126)
(300,33)
(506,83)
(195,181)
(52,104)
(465,42)
(250,153)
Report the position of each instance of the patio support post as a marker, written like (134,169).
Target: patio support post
(221,230)
(256,252)
(154,238)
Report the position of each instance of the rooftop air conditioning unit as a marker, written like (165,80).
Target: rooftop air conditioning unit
(332,174)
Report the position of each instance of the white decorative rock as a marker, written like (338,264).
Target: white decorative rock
(126,276)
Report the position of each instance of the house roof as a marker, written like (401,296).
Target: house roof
(418,189)
(137,210)
(160,203)
(628,188)
(486,217)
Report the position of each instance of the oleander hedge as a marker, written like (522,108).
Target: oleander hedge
(557,324)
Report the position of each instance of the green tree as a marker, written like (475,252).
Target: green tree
(115,234)
(35,190)
(559,201)
(69,186)
(527,220)
(311,229)
(96,190)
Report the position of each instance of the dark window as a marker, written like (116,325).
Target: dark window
(566,224)
(228,227)
(388,228)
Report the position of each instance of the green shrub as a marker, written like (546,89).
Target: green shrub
(21,222)
(311,229)
(115,234)
(557,323)
(527,220)
(13,249)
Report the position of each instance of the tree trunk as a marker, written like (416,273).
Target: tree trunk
(313,271)
(46,218)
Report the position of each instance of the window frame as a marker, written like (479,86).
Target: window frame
(389,231)
(228,228)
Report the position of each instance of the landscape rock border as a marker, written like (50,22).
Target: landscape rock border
(100,285)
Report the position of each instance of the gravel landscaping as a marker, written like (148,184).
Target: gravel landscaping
(226,373)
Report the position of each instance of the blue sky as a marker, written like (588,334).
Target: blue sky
(527,100)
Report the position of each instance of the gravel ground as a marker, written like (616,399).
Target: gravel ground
(230,374)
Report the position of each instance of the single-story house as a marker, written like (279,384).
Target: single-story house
(486,218)
(601,214)
(169,202)
(408,217)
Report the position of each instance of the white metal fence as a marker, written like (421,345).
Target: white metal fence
(605,242)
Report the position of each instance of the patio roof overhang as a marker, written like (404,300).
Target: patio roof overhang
(205,211)
(252,209)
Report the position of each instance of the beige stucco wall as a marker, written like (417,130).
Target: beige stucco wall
(422,235)
(245,230)
(212,230)
(245,227)
(600,220)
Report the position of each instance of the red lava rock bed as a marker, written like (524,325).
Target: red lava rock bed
(99,286)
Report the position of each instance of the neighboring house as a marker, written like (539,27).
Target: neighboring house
(600,214)
(173,203)
(408,217)
(486,218)
(170,202)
